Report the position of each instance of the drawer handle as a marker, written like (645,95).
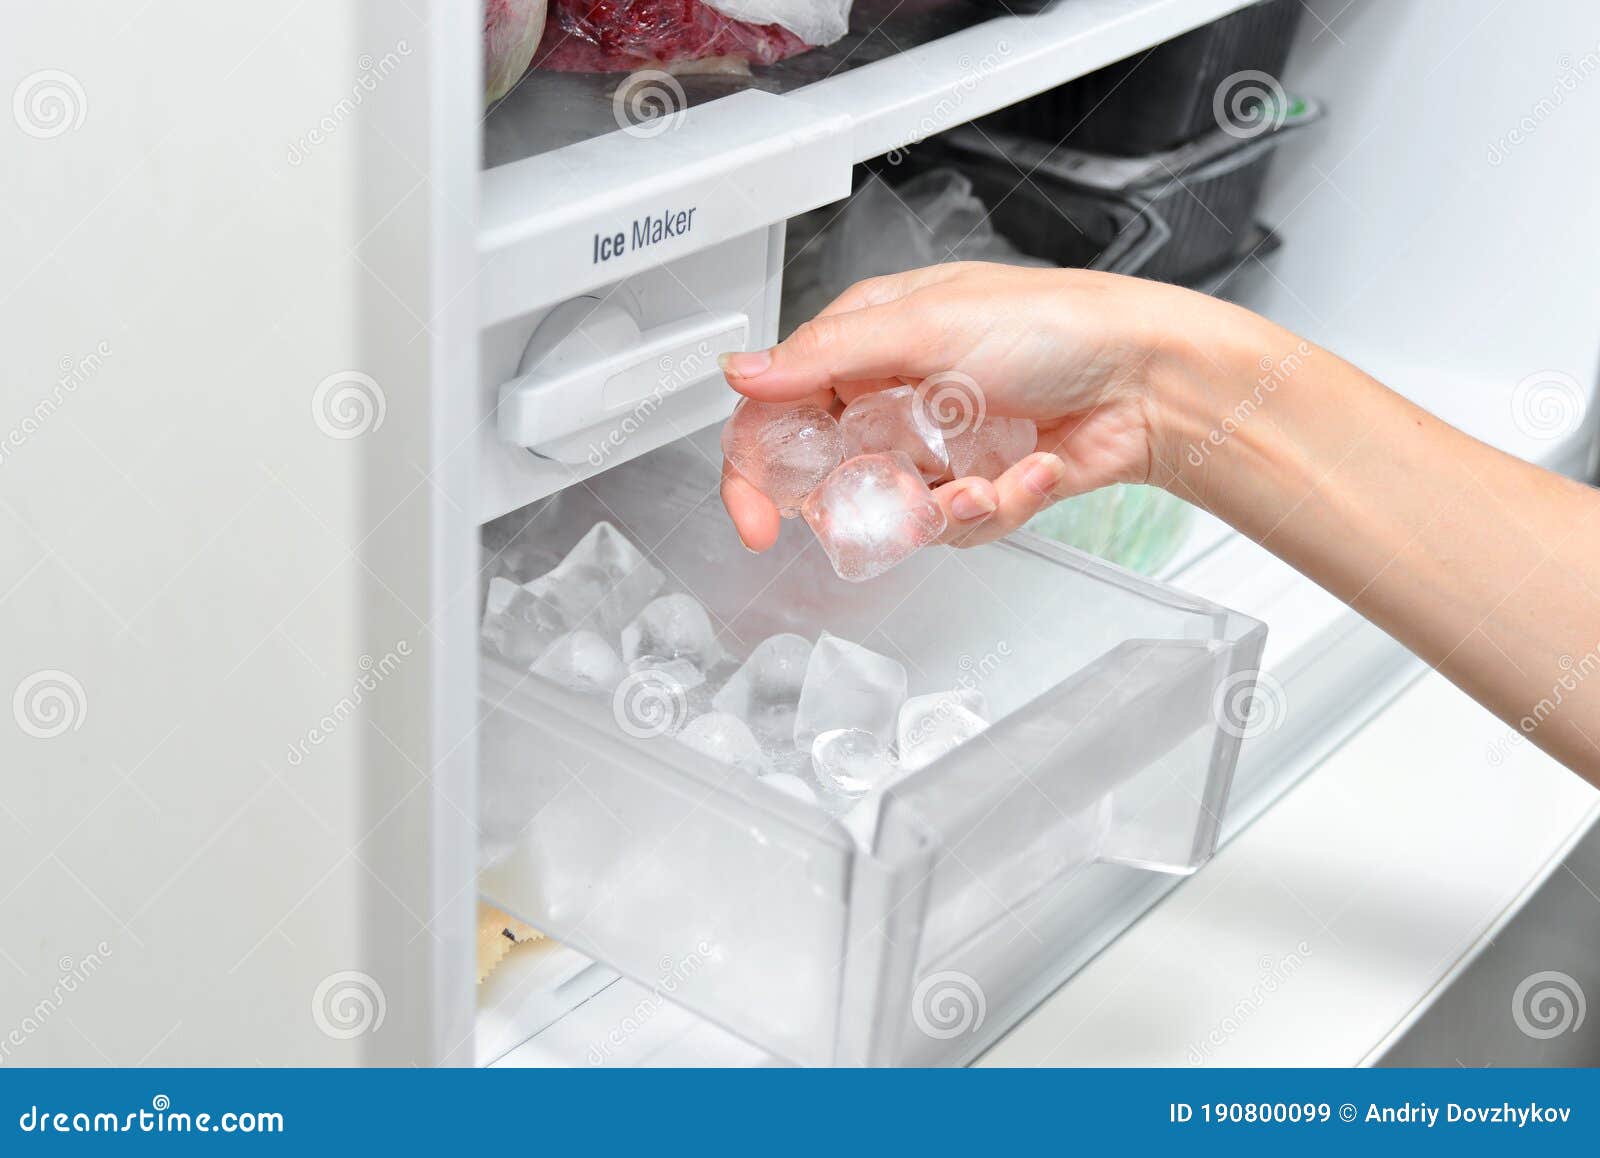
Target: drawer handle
(590,364)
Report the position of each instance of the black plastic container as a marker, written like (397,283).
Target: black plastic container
(1160,99)
(1065,226)
(1177,224)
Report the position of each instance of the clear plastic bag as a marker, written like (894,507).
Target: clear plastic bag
(621,35)
(930,219)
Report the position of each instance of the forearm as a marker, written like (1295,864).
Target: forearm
(1488,568)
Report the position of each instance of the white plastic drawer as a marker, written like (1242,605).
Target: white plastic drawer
(991,870)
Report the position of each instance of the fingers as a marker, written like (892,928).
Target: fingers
(880,291)
(1019,494)
(754,517)
(968,503)
(875,342)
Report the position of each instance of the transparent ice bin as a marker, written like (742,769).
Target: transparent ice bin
(994,873)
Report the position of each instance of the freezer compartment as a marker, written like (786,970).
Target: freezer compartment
(1110,756)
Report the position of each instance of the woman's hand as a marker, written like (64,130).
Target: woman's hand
(1069,349)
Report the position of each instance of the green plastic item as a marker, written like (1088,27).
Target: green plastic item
(1137,527)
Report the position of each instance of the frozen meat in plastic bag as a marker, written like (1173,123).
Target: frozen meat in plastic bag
(511,33)
(685,35)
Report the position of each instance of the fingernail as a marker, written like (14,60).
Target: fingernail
(1044,476)
(746,365)
(969,505)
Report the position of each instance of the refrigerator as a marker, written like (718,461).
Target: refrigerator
(304,340)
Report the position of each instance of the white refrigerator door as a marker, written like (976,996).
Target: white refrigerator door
(235,571)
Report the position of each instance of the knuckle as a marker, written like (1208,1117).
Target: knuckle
(817,338)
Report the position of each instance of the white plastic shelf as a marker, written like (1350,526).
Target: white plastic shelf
(752,158)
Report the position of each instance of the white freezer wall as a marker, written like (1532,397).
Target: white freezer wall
(231,571)
(1442,225)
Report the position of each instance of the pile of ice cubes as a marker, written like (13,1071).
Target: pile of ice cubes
(861,480)
(827,721)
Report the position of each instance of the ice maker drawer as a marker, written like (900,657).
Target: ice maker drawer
(990,871)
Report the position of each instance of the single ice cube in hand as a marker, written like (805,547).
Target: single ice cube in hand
(871,513)
(581,660)
(897,419)
(848,686)
(674,626)
(726,740)
(852,760)
(930,726)
(782,451)
(765,691)
(988,447)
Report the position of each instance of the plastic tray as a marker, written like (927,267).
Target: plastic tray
(1160,99)
(990,872)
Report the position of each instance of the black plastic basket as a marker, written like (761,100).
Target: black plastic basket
(1175,227)
(1159,99)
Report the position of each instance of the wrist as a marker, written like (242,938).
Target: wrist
(1216,372)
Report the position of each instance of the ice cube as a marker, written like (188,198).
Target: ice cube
(580,660)
(519,625)
(674,626)
(726,740)
(680,671)
(873,512)
(765,691)
(602,583)
(986,446)
(852,760)
(930,726)
(790,785)
(896,419)
(848,686)
(783,451)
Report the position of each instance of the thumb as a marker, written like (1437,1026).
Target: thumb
(882,341)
